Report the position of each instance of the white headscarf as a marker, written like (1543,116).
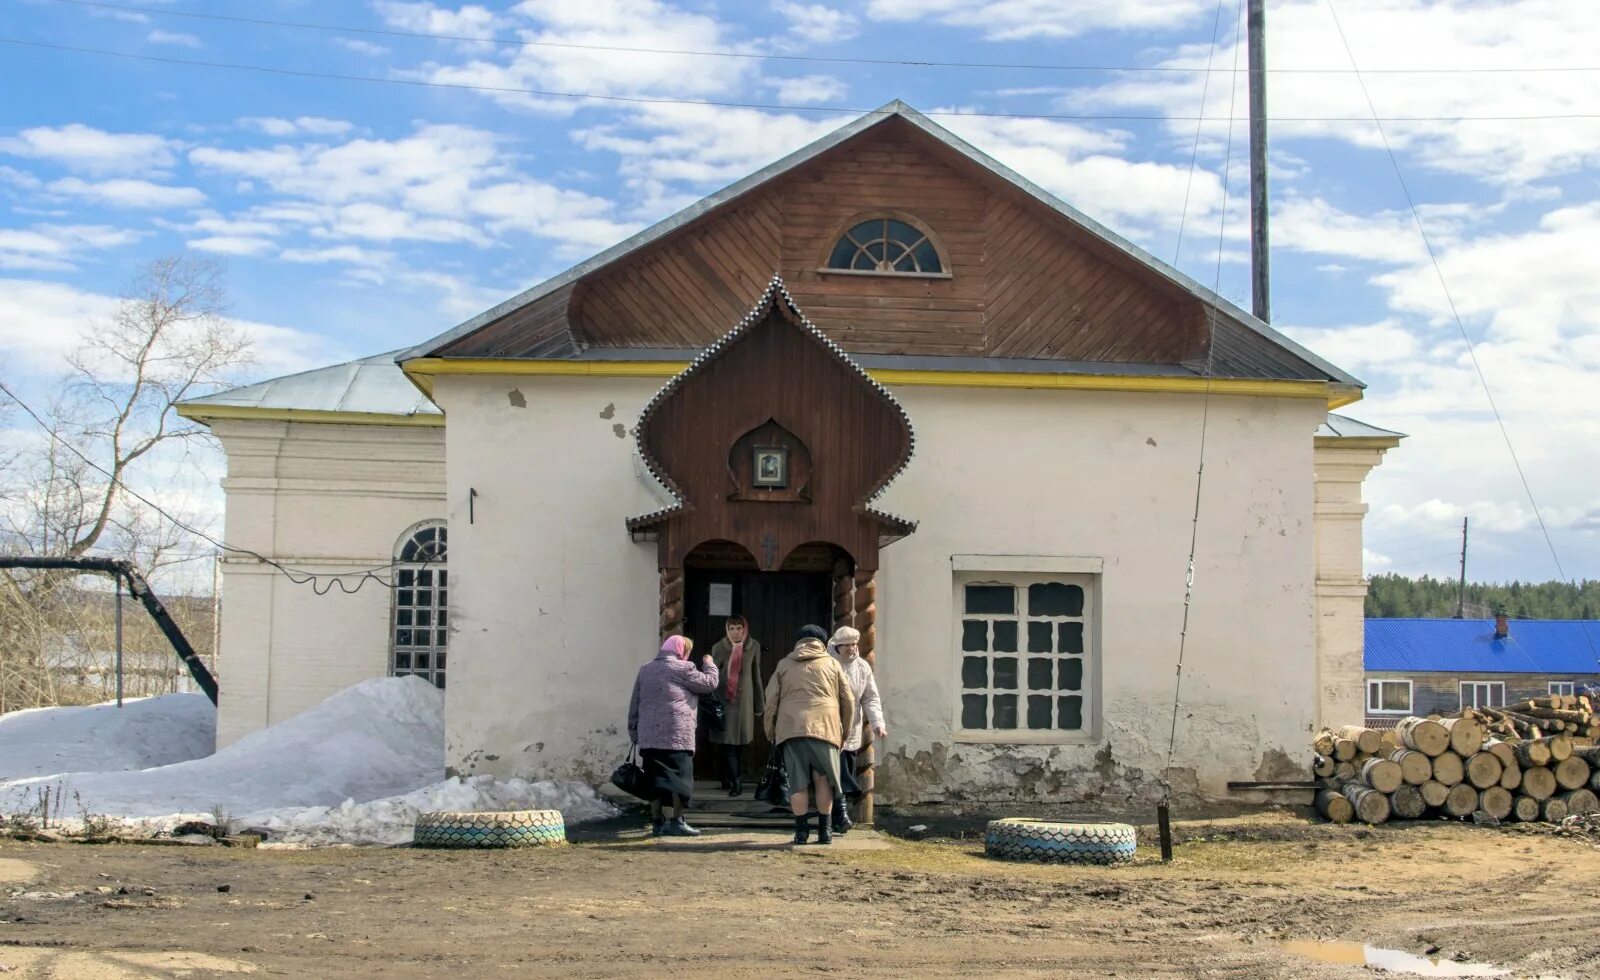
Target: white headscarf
(842,636)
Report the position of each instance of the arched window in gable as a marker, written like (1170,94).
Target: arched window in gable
(420,624)
(889,245)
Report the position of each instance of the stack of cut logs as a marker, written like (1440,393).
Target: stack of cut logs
(1535,760)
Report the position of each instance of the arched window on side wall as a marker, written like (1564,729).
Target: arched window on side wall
(420,624)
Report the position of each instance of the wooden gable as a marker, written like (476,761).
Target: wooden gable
(1023,281)
(774,385)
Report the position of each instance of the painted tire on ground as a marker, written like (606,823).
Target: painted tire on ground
(1020,839)
(508,828)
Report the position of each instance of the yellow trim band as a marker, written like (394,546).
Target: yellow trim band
(422,369)
(206,413)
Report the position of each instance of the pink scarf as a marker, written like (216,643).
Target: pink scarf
(735,664)
(675,647)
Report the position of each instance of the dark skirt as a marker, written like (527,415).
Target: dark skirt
(848,784)
(670,772)
(807,757)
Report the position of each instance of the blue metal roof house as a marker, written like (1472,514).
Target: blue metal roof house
(1419,666)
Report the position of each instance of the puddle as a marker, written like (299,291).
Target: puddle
(1393,960)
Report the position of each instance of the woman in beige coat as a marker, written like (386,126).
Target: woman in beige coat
(809,707)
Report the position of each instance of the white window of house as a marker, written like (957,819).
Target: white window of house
(420,625)
(1568,688)
(1483,694)
(1026,656)
(1388,697)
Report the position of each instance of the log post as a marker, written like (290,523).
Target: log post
(864,601)
(844,585)
(671,601)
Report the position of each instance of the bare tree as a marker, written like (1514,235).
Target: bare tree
(64,492)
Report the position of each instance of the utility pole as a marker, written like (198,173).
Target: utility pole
(1260,271)
(119,642)
(1461,591)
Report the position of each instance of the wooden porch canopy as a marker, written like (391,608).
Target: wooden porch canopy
(774,391)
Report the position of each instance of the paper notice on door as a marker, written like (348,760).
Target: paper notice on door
(721,599)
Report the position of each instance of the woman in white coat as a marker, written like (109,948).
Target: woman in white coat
(846,648)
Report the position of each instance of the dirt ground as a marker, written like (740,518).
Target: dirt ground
(1237,891)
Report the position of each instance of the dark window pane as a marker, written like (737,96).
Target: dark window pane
(402,617)
(421,661)
(903,233)
(444,617)
(424,617)
(1005,673)
(444,578)
(1071,675)
(424,536)
(863,261)
(974,634)
(444,594)
(1005,711)
(905,263)
(1039,710)
(928,258)
(1040,674)
(875,250)
(866,231)
(1005,637)
(444,535)
(409,552)
(842,254)
(1055,599)
(438,660)
(402,637)
(440,637)
(402,661)
(974,711)
(425,578)
(407,597)
(407,577)
(991,599)
(439,680)
(974,672)
(1070,710)
(1039,638)
(1071,638)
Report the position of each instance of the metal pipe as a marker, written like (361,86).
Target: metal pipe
(1260,246)
(118,581)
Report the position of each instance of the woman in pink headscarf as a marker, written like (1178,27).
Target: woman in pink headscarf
(661,721)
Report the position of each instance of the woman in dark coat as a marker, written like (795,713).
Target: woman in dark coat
(661,721)
(739,688)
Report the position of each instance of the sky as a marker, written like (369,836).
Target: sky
(378,186)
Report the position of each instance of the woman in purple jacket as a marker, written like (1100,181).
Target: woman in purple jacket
(661,720)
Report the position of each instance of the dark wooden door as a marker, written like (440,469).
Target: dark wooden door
(777,604)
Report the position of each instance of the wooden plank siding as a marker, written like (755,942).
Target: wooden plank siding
(1023,281)
(1441,692)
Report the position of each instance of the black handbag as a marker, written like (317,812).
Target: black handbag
(630,778)
(773,789)
(713,716)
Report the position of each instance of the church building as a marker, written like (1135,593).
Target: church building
(884,382)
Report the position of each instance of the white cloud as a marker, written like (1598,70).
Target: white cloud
(351,254)
(128,193)
(1011,20)
(91,150)
(1313,225)
(361,47)
(174,38)
(382,223)
(808,89)
(469,20)
(231,245)
(1389,34)
(818,23)
(313,125)
(57,247)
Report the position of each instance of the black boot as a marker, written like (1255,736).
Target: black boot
(841,816)
(733,759)
(824,830)
(679,827)
(802,828)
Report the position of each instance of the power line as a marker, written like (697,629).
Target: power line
(1455,314)
(773,56)
(297,576)
(722,104)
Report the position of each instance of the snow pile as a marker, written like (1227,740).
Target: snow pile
(143,733)
(357,768)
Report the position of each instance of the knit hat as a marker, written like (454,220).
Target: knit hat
(811,633)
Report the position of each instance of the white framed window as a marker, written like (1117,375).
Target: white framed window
(1568,688)
(419,627)
(1389,697)
(1483,694)
(1026,657)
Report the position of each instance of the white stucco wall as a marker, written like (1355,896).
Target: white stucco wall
(554,607)
(1342,466)
(323,498)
